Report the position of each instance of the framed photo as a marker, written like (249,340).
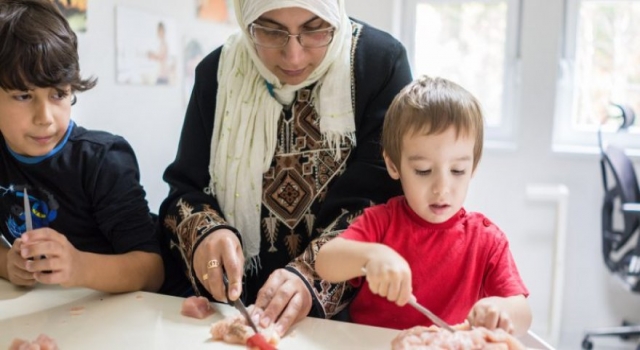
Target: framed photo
(75,11)
(220,11)
(146,48)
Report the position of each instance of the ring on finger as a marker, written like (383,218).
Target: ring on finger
(213,263)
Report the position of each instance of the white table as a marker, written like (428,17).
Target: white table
(143,320)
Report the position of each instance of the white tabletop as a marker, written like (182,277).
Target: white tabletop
(85,319)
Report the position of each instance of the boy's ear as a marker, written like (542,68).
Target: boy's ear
(391,168)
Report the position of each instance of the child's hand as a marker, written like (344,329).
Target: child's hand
(16,267)
(486,313)
(55,260)
(389,275)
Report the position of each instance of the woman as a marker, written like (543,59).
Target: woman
(279,152)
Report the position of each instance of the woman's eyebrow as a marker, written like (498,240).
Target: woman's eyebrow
(268,20)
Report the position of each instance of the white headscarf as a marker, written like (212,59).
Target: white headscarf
(246,115)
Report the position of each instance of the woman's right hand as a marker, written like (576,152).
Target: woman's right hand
(219,249)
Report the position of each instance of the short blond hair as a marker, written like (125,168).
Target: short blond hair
(430,106)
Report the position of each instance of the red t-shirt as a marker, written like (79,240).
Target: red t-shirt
(453,264)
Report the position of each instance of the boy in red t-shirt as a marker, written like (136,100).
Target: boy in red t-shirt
(424,244)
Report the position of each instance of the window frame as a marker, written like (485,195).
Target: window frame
(566,138)
(503,135)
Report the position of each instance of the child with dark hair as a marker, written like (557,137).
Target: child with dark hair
(424,244)
(91,223)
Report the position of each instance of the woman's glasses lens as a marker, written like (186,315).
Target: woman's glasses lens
(276,38)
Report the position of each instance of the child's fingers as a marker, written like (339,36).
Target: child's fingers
(373,286)
(405,294)
(23,282)
(18,273)
(36,250)
(488,317)
(505,323)
(22,276)
(383,289)
(42,234)
(42,264)
(394,290)
(54,277)
(17,244)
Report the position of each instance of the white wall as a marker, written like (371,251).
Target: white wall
(150,118)
(592,298)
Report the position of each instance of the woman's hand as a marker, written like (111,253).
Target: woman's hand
(220,249)
(52,259)
(16,267)
(389,275)
(284,299)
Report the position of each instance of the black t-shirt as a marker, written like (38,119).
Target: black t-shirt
(87,188)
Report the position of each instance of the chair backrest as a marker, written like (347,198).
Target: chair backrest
(619,245)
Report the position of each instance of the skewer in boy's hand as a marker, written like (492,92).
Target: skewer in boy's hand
(487,313)
(16,266)
(62,264)
(389,275)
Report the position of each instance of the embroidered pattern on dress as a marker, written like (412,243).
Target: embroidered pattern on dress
(191,225)
(332,298)
(301,170)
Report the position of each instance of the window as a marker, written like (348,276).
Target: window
(475,44)
(600,66)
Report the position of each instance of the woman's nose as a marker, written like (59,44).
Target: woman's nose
(293,51)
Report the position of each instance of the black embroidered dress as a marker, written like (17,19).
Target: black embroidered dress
(308,196)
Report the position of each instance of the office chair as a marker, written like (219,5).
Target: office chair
(620,247)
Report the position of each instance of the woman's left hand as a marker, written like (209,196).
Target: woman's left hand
(284,299)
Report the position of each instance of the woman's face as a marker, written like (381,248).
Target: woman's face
(292,64)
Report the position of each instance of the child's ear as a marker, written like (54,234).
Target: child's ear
(391,168)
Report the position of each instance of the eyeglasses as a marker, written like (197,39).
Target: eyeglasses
(277,38)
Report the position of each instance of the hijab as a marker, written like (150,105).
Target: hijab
(249,103)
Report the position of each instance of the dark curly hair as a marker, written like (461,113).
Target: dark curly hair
(38,48)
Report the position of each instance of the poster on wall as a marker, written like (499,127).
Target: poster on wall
(75,11)
(220,11)
(198,41)
(146,48)
(193,53)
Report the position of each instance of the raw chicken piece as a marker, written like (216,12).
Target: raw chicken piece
(197,307)
(42,342)
(234,330)
(425,338)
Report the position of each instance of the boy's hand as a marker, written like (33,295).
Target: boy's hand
(485,313)
(55,260)
(16,267)
(389,275)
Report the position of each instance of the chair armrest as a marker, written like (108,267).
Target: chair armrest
(632,208)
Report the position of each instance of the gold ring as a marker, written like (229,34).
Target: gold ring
(213,263)
(205,277)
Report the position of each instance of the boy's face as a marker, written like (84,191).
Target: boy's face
(33,122)
(435,172)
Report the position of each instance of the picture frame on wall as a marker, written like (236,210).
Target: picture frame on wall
(220,11)
(75,11)
(146,48)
